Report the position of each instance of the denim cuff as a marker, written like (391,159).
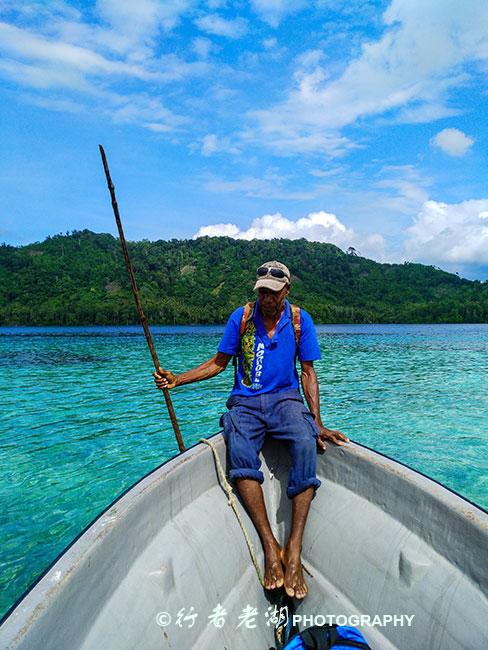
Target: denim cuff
(246,473)
(293,490)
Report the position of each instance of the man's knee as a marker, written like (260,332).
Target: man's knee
(304,446)
(304,465)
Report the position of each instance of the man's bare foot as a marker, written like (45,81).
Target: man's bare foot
(295,585)
(273,569)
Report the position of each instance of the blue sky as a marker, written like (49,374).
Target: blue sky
(360,123)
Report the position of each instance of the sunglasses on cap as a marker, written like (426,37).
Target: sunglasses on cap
(270,270)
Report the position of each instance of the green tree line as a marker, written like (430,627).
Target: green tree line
(80,278)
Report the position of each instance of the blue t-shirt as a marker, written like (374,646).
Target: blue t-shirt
(268,365)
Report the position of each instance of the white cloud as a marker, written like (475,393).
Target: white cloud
(410,68)
(42,77)
(219,230)
(223,94)
(449,233)
(147,111)
(423,114)
(309,58)
(141,15)
(399,192)
(453,142)
(410,187)
(213,24)
(408,194)
(58,105)
(140,20)
(90,65)
(156,127)
(61,56)
(216,4)
(270,43)
(26,45)
(202,46)
(327,173)
(135,108)
(317,226)
(36,9)
(270,186)
(172,68)
(211,144)
(286,138)
(273,49)
(273,11)
(128,28)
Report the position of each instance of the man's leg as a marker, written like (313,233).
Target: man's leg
(252,495)
(294,425)
(291,555)
(244,432)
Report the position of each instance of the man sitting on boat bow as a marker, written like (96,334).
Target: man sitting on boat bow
(267,336)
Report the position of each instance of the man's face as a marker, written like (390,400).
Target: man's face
(271,302)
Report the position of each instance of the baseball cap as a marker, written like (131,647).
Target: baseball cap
(269,279)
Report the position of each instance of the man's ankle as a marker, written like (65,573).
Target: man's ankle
(293,547)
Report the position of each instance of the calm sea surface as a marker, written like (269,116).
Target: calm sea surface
(81,421)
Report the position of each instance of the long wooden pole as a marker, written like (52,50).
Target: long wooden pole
(135,292)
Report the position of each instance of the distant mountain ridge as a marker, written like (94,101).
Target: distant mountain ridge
(80,278)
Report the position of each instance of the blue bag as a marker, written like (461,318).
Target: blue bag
(324,637)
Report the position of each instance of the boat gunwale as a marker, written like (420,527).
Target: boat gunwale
(92,523)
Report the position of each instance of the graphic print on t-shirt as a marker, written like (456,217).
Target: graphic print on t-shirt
(247,346)
(258,370)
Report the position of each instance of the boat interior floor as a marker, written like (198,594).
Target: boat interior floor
(167,565)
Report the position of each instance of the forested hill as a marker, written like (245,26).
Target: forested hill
(80,278)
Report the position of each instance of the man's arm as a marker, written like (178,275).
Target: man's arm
(310,387)
(206,370)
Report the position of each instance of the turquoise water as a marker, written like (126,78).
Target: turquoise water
(81,420)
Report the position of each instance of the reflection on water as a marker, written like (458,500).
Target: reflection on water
(81,420)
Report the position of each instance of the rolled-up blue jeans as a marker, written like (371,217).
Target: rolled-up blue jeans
(285,417)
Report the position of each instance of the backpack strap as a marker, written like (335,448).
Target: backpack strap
(247,314)
(296,322)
